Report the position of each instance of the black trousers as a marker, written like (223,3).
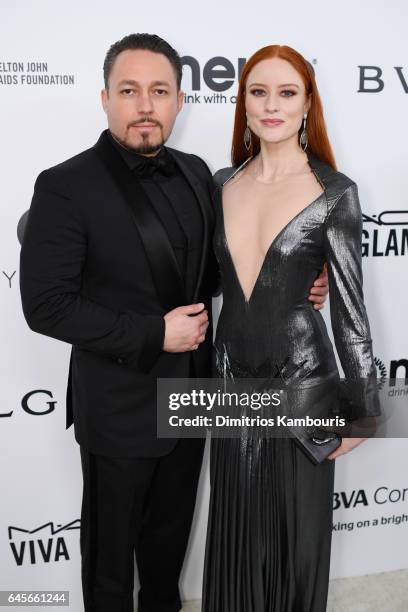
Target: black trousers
(141,507)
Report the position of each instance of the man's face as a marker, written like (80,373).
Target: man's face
(142,101)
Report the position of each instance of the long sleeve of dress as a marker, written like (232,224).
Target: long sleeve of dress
(351,330)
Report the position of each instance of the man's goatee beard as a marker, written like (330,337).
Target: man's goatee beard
(145,148)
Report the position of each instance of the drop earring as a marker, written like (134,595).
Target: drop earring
(303,136)
(247,138)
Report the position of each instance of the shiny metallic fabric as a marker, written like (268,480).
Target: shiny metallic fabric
(269,530)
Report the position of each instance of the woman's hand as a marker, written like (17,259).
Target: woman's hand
(347,444)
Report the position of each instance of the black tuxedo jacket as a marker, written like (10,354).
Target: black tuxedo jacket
(98,271)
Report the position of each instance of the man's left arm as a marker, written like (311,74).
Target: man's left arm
(320,289)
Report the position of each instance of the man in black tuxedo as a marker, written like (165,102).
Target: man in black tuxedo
(117,261)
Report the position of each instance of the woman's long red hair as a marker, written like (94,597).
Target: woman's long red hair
(318,141)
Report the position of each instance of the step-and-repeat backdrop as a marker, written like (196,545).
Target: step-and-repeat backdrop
(51,57)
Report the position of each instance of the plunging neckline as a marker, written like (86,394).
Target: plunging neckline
(247,300)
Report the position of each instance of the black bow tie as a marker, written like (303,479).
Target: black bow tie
(162,164)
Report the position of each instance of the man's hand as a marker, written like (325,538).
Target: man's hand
(318,293)
(183,331)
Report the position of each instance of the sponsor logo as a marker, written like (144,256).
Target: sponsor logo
(208,84)
(38,402)
(44,544)
(371,79)
(360,497)
(385,234)
(381,499)
(31,72)
(398,369)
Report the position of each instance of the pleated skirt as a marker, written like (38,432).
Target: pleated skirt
(269,530)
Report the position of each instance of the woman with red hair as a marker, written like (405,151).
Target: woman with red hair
(283,212)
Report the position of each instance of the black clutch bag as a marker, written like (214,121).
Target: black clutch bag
(318,401)
(319,445)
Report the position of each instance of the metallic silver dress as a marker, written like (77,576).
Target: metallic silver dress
(270,520)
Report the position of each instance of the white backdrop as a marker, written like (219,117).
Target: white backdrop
(43,124)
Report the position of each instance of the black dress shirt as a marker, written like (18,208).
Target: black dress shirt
(176,206)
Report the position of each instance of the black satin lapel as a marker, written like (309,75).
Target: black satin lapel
(206,211)
(165,272)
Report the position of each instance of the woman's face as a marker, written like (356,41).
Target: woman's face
(275,100)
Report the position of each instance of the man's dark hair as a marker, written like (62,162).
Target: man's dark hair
(144,42)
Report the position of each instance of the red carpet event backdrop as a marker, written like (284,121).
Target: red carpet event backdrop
(51,57)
